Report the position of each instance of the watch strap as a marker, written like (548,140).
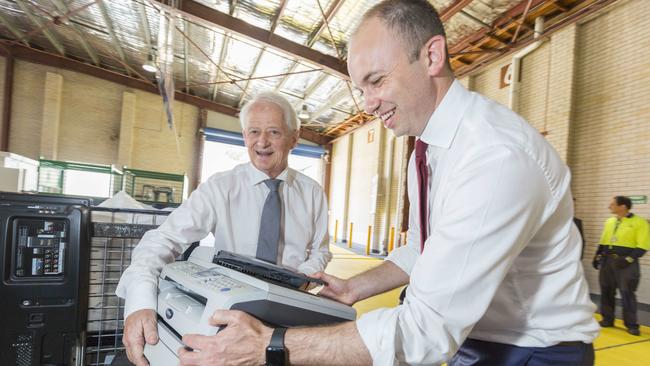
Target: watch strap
(277,338)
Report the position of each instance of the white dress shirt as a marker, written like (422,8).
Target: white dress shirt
(502,260)
(229,205)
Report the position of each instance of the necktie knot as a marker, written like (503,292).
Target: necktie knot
(273,184)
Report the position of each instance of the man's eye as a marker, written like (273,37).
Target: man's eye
(253,132)
(377,81)
(275,132)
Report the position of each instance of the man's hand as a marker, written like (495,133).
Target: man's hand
(596,262)
(337,289)
(243,341)
(139,327)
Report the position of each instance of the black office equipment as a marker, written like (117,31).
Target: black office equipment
(44,267)
(279,275)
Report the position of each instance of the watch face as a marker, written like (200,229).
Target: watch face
(275,356)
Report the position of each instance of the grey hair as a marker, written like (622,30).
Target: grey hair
(288,113)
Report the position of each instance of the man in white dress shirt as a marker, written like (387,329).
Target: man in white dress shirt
(230,205)
(493,258)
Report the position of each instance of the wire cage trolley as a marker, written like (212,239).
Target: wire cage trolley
(114,234)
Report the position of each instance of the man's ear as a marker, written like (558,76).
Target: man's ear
(296,136)
(436,55)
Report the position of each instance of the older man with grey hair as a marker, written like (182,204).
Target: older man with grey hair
(262,208)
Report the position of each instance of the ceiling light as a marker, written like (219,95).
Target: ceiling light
(304,114)
(150,65)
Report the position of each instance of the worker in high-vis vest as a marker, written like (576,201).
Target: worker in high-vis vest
(625,239)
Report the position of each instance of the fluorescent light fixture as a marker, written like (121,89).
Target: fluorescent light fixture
(150,65)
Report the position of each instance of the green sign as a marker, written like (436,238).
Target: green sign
(639,199)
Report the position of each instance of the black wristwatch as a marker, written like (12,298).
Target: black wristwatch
(276,354)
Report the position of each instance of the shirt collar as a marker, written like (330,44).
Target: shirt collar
(257,176)
(443,123)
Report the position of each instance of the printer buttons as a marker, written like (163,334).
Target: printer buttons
(169,313)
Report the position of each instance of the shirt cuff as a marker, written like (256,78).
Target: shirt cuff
(377,330)
(404,258)
(140,296)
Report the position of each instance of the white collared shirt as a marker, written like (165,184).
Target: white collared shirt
(229,205)
(502,260)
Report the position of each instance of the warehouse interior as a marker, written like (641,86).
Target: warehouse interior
(82,116)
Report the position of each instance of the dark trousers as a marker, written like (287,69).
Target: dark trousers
(482,353)
(626,279)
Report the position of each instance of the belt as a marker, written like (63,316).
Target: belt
(571,344)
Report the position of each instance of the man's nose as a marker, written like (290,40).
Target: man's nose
(371,103)
(264,138)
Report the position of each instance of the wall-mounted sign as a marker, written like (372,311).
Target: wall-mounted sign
(638,199)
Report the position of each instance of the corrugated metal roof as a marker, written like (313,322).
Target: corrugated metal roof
(217,63)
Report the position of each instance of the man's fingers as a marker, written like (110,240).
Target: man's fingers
(197,341)
(188,358)
(226,317)
(150,330)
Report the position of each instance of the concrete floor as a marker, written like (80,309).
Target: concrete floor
(614,347)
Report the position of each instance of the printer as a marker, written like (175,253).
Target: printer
(190,291)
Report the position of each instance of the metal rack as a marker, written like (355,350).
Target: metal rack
(155,187)
(114,234)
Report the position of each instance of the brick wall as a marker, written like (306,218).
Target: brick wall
(588,86)
(609,145)
(89,115)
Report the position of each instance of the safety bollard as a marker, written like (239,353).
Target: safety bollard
(368,241)
(350,241)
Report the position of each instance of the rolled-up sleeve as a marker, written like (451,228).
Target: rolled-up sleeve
(319,251)
(190,222)
(490,208)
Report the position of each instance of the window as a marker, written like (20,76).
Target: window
(223,150)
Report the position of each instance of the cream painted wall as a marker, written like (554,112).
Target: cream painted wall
(609,144)
(90,113)
(339,181)
(589,87)
(363,176)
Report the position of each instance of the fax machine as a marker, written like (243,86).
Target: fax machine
(190,291)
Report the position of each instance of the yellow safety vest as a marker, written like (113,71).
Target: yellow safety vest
(630,232)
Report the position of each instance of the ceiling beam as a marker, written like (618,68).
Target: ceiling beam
(578,11)
(331,102)
(230,23)
(329,15)
(252,73)
(186,61)
(60,5)
(453,8)
(39,23)
(505,18)
(111,31)
(222,57)
(144,24)
(17,33)
(314,136)
(45,58)
(278,14)
(322,25)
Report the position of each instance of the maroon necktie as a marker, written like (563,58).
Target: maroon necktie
(423,179)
